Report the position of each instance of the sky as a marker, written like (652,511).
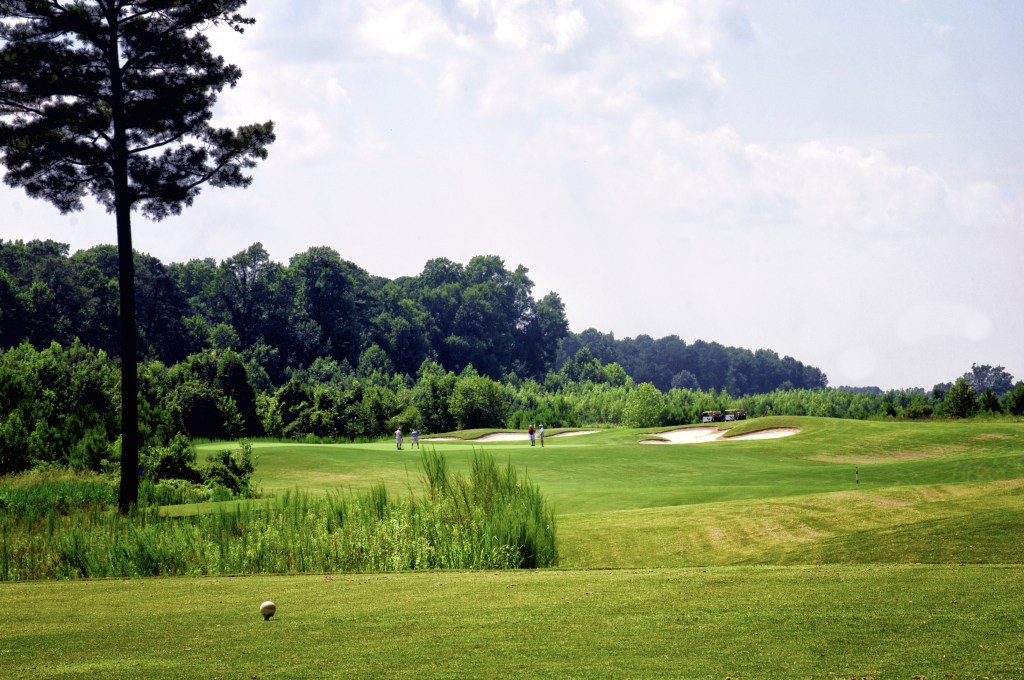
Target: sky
(841,182)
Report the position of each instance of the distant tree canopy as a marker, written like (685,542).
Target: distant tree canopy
(286,318)
(985,377)
(669,362)
(318,308)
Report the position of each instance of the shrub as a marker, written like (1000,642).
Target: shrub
(231,471)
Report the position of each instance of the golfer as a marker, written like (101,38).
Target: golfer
(533,434)
(398,438)
(541,433)
(415,439)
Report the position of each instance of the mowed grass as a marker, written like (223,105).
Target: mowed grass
(839,492)
(749,622)
(851,550)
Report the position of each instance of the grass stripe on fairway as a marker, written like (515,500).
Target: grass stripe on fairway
(964,523)
(806,622)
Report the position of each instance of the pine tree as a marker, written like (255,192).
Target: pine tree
(114,98)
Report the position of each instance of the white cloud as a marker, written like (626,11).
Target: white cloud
(595,130)
(404,28)
(939,30)
(682,27)
(856,364)
(930,320)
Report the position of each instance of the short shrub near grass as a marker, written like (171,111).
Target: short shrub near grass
(491,519)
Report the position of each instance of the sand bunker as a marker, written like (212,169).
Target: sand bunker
(700,435)
(503,437)
(508,437)
(525,437)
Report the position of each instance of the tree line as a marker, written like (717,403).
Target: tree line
(59,404)
(670,363)
(283,318)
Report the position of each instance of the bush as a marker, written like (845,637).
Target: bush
(33,494)
(231,471)
(177,460)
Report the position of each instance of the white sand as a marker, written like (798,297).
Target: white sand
(525,437)
(700,435)
(774,433)
(503,437)
(690,435)
(507,437)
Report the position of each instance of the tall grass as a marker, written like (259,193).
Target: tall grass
(489,520)
(30,494)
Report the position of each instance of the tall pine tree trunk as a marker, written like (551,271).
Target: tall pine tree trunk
(129,491)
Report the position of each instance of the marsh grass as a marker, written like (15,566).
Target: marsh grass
(491,519)
(31,494)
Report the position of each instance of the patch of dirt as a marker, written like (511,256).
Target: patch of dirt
(523,436)
(686,435)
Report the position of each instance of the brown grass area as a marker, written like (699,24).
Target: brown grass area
(1009,483)
(992,436)
(884,501)
(889,456)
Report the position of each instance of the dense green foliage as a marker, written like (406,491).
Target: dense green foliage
(669,363)
(320,313)
(490,519)
(318,309)
(58,405)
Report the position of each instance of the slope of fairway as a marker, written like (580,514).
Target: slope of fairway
(840,491)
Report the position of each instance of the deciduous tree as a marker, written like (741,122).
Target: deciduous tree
(961,401)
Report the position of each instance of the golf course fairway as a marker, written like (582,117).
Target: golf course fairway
(847,550)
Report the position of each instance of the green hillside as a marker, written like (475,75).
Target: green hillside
(840,491)
(849,550)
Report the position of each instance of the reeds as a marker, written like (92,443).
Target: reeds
(489,520)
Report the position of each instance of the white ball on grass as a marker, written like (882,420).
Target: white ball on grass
(268,609)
